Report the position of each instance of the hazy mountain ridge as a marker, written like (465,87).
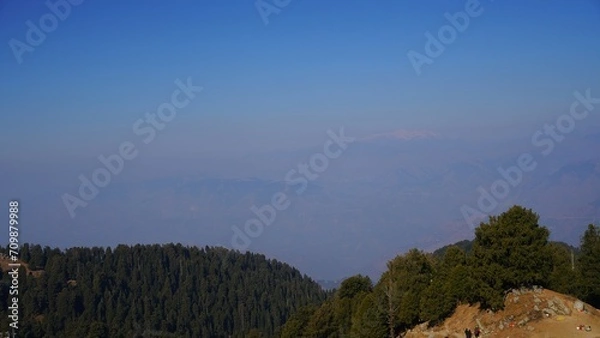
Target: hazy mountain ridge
(376,199)
(374,187)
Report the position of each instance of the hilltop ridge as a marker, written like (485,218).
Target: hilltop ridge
(534,313)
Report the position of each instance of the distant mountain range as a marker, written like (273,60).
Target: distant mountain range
(330,284)
(385,194)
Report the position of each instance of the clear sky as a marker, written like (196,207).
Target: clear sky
(315,65)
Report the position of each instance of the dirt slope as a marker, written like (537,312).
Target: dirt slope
(533,313)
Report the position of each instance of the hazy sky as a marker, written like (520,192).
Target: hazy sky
(315,65)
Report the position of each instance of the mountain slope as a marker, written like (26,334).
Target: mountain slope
(169,291)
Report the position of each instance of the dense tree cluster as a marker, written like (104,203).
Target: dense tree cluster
(588,285)
(509,251)
(159,291)
(177,291)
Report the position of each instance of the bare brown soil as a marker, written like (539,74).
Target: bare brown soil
(522,317)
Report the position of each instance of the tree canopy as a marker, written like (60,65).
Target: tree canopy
(510,250)
(154,290)
(177,291)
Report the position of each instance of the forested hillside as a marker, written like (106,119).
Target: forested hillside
(152,290)
(177,291)
(509,251)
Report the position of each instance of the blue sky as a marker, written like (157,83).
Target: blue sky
(315,65)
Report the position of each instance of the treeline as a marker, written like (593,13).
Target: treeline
(155,291)
(509,251)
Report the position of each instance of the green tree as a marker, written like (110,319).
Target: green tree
(347,299)
(295,326)
(322,322)
(510,250)
(563,276)
(355,285)
(370,319)
(436,302)
(451,285)
(401,287)
(589,266)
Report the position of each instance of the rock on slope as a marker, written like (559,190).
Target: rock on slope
(535,313)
